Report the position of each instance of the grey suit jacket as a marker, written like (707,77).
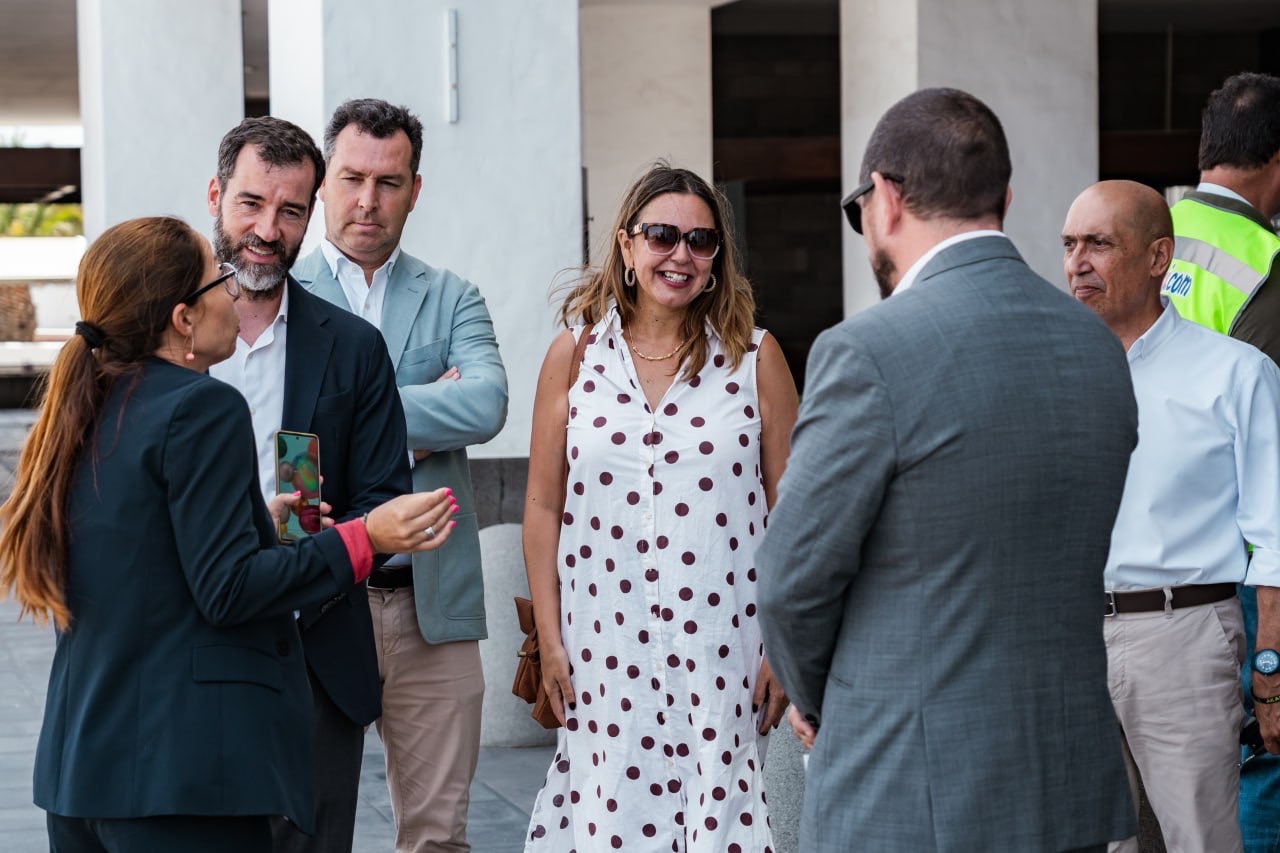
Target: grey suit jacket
(931,579)
(433,320)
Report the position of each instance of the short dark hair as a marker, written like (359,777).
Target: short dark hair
(279,143)
(1240,126)
(380,120)
(949,152)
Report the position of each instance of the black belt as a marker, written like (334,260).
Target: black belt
(393,578)
(1147,600)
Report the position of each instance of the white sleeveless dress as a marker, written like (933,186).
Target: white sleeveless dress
(663,513)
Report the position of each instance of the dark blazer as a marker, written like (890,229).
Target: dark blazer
(179,688)
(931,579)
(340,385)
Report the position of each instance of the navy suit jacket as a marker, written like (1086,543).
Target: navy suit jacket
(179,687)
(339,384)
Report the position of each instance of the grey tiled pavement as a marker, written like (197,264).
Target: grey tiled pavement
(506,783)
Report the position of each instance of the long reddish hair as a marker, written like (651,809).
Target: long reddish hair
(128,283)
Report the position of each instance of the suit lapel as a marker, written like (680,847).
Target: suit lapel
(307,347)
(405,292)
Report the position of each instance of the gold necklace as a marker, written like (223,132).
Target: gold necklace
(679,346)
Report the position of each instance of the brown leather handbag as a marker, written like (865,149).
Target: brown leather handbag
(528,681)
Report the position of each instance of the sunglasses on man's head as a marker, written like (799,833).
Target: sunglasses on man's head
(853,210)
(662,239)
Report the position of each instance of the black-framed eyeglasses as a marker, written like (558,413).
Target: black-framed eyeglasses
(662,239)
(853,210)
(226,278)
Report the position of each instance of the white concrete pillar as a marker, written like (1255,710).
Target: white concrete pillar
(1034,62)
(646,93)
(160,83)
(501,200)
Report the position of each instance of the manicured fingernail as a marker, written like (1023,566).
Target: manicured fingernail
(448,491)
(454,508)
(453,524)
(298,493)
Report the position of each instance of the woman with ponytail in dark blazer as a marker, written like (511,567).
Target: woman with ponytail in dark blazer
(179,714)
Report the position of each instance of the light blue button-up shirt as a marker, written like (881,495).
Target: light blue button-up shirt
(1205,477)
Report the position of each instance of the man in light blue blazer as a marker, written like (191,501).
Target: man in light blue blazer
(428,613)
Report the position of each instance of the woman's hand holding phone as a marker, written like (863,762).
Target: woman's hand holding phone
(411,523)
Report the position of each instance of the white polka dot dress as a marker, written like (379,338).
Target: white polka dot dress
(663,512)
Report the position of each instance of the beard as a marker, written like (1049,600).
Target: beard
(258,280)
(883,269)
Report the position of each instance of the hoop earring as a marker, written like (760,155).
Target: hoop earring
(629,277)
(191,350)
(711,285)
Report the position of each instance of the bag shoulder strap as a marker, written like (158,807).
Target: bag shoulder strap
(578,350)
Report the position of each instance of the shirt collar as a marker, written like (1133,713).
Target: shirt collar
(335,259)
(1161,330)
(282,316)
(914,271)
(1218,189)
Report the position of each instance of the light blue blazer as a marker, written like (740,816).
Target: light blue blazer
(433,320)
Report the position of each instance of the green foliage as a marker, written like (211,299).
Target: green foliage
(41,220)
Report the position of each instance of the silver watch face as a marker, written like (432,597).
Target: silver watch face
(1267,661)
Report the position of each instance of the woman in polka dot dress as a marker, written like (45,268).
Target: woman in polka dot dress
(673,435)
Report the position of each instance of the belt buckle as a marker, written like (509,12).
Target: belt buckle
(1111,603)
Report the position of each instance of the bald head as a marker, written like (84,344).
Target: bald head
(1117,243)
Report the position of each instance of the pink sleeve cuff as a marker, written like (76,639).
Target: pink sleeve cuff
(359,551)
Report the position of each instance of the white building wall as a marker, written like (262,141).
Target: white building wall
(501,200)
(160,82)
(646,94)
(1034,62)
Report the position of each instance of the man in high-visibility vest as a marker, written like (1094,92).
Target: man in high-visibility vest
(1226,275)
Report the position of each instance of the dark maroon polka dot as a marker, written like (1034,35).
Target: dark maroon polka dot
(624,585)
(605,478)
(732,388)
(723,651)
(668,614)
(705,484)
(655,789)
(651,575)
(616,841)
(698,422)
(618,438)
(686,594)
(633,671)
(718,793)
(713,599)
(744,440)
(672,457)
(649,829)
(722,519)
(670,409)
(749,412)
(567,518)
(706,448)
(682,509)
(711,822)
(662,542)
(633,498)
(695,381)
(642,546)
(588,386)
(615,532)
(539,831)
(578,488)
(585,551)
(745,817)
(633,772)
(595,522)
(624,398)
(599,422)
(750,610)
(611,662)
(688,558)
(647,742)
(570,560)
(563,765)
(691,627)
(737,469)
(708,733)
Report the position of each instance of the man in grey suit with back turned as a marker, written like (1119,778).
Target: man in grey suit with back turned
(930,579)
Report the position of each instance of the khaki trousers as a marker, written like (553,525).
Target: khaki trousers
(430,725)
(1174,680)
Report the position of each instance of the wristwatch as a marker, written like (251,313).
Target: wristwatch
(1266,661)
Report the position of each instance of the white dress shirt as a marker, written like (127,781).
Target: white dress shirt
(257,372)
(913,272)
(366,300)
(1205,477)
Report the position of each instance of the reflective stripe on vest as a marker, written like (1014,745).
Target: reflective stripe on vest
(1220,260)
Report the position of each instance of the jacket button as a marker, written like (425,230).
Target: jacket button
(282,648)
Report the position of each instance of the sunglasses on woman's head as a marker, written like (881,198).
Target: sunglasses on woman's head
(662,239)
